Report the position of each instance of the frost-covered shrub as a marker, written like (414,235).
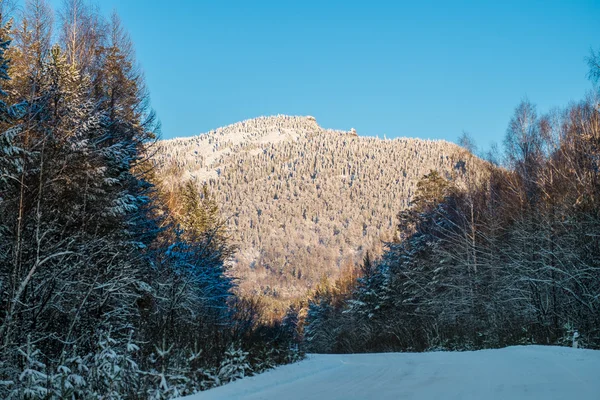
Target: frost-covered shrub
(234,366)
(31,382)
(68,382)
(113,371)
(571,334)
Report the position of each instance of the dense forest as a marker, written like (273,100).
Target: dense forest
(136,268)
(303,203)
(104,292)
(513,258)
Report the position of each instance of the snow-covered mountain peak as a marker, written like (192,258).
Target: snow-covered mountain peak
(209,150)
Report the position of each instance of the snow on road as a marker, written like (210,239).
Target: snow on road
(521,372)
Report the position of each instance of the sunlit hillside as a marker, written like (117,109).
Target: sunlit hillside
(303,202)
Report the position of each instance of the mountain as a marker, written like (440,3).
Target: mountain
(303,202)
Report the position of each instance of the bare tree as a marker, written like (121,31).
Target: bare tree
(82,33)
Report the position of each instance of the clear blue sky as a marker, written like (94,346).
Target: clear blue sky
(427,69)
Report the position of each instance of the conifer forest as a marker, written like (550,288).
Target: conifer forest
(133,267)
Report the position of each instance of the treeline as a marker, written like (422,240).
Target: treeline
(106,291)
(512,257)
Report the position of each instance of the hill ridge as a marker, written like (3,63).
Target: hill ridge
(275,117)
(304,204)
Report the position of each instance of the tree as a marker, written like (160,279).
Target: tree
(32,46)
(120,81)
(594,65)
(81,34)
(524,147)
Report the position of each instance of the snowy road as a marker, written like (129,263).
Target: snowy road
(524,372)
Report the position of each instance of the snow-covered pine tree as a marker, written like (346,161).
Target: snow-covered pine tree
(32,381)
(77,222)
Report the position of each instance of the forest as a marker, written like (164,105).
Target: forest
(104,292)
(138,268)
(512,257)
(303,203)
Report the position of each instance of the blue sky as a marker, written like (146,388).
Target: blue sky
(427,69)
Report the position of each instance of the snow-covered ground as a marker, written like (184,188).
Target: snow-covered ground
(522,372)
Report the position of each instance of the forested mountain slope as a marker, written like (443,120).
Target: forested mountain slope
(304,202)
